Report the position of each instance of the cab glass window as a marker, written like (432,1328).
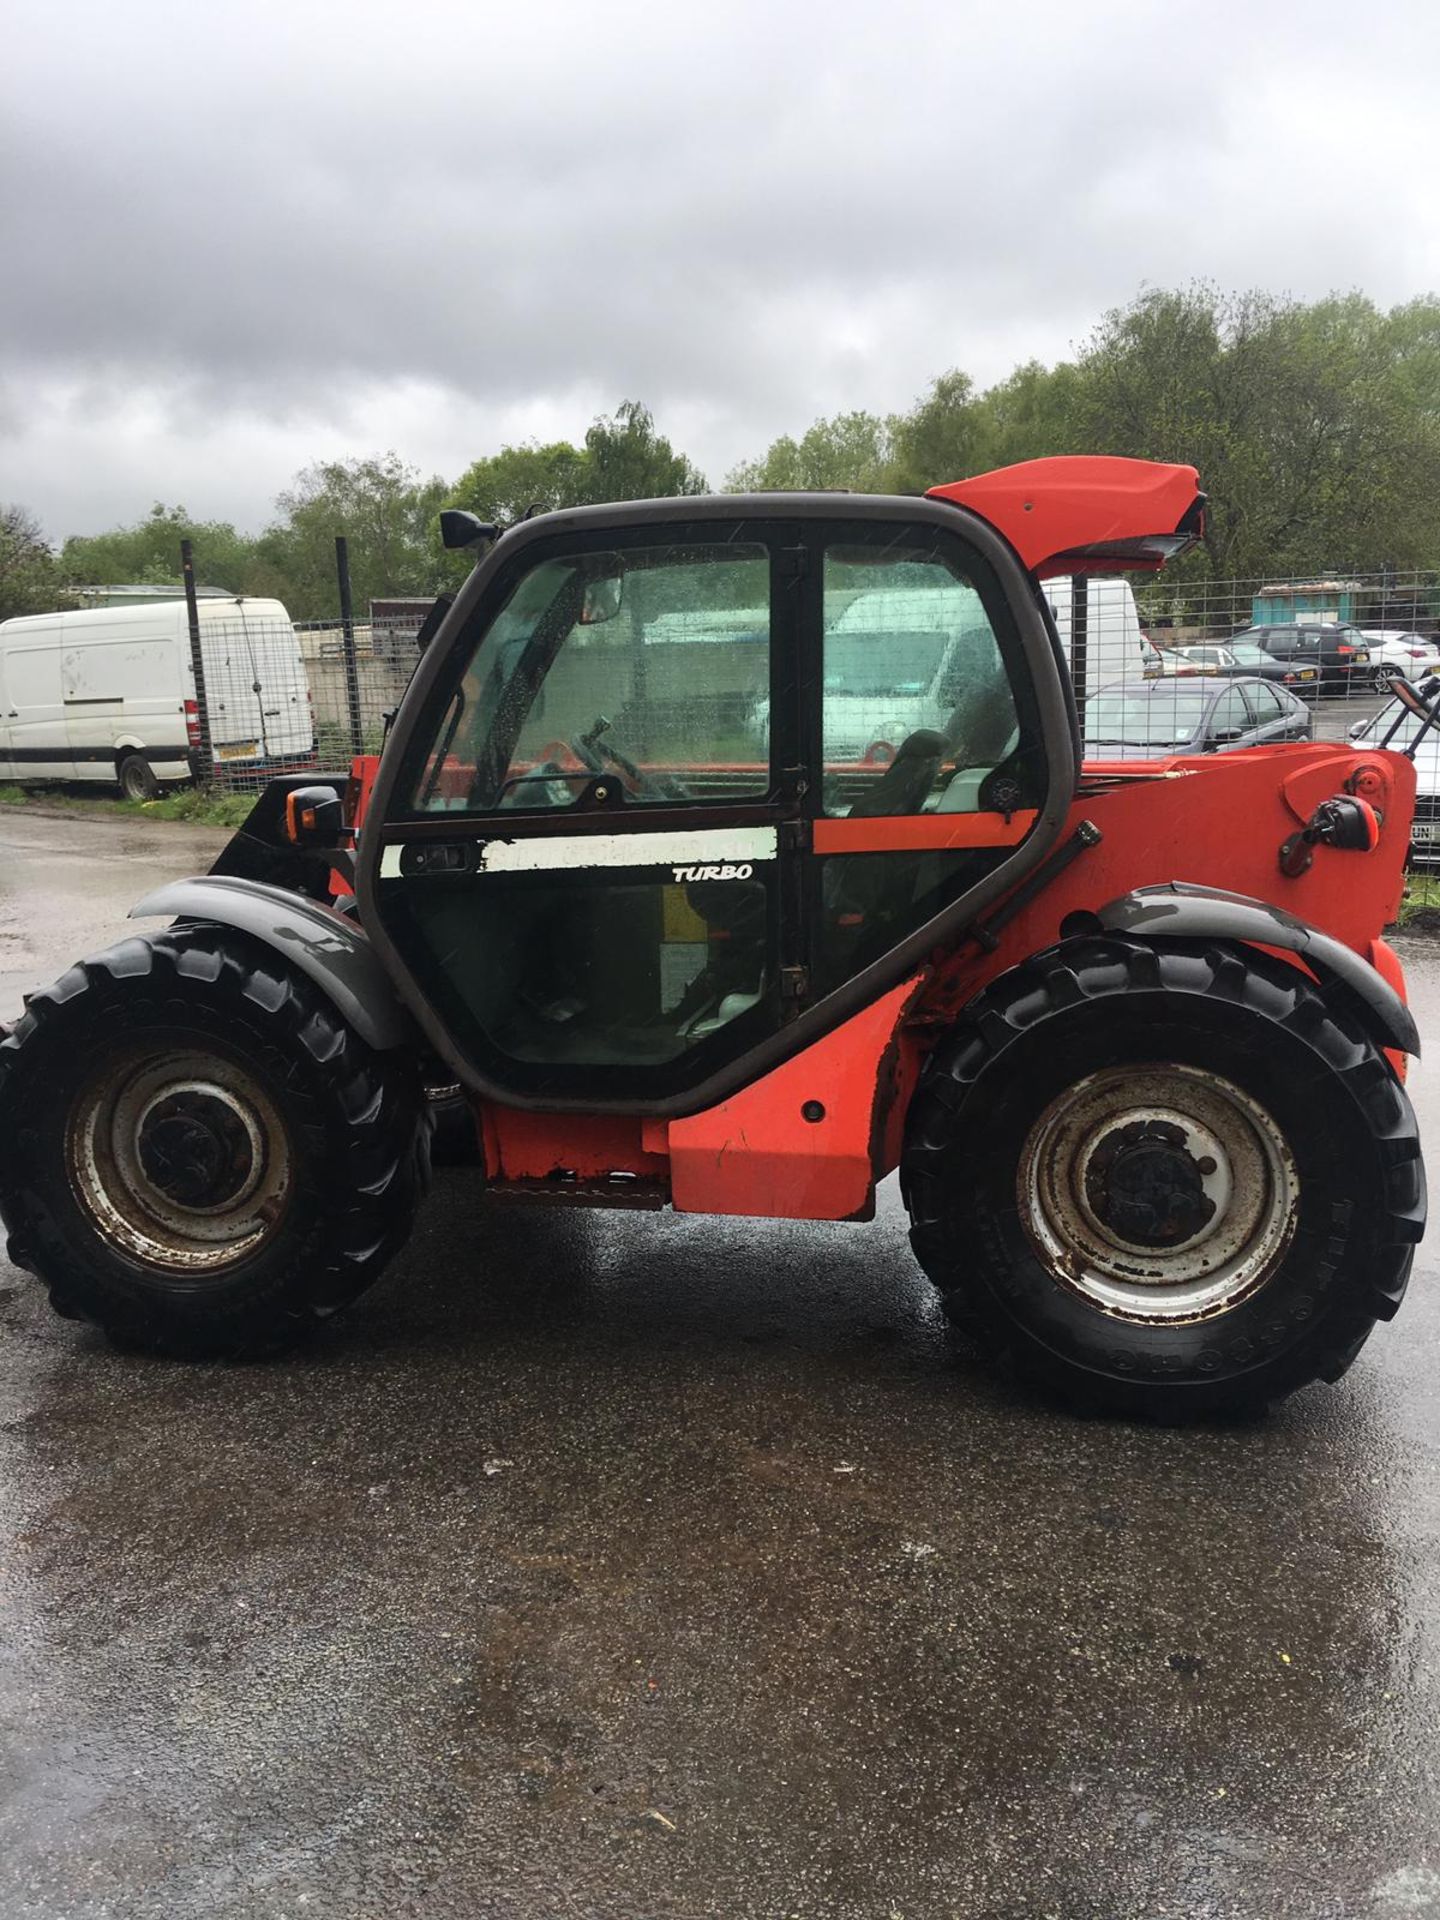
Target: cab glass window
(649,666)
(917,708)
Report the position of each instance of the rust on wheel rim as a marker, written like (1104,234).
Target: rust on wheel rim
(1159,1193)
(180,1159)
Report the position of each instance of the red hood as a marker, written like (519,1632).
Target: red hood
(1087,513)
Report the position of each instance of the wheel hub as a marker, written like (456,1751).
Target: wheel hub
(195,1147)
(1145,1183)
(181,1159)
(1158,1192)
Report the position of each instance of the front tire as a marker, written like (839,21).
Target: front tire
(197,1153)
(1164,1180)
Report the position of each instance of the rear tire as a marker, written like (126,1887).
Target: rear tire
(1163,1180)
(198,1154)
(137,782)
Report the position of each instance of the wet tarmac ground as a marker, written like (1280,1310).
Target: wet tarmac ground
(610,1567)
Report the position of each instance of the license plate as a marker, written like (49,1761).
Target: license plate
(1425,830)
(238,750)
(1306,673)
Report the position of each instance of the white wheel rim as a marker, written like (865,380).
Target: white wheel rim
(180,1159)
(1159,1193)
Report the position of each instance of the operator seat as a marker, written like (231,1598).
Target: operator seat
(906,782)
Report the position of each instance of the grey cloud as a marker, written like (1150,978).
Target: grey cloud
(745,214)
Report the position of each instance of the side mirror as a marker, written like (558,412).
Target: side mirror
(314,817)
(461,529)
(604,591)
(1357,728)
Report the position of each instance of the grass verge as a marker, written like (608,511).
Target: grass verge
(1420,907)
(189,803)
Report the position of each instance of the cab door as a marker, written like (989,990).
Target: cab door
(582,869)
(635,838)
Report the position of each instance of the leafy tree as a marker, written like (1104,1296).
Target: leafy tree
(625,459)
(1309,444)
(941,437)
(854,450)
(29,577)
(503,487)
(148,554)
(385,510)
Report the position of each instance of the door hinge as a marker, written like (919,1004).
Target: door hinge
(794,983)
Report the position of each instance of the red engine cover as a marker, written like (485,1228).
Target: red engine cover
(1086,513)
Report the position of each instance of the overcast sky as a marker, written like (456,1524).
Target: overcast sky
(237,238)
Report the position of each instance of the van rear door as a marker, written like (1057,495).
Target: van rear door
(287,728)
(1114,641)
(255,682)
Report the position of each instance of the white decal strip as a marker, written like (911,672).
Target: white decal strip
(571,852)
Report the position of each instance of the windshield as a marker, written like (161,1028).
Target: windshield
(1133,717)
(882,663)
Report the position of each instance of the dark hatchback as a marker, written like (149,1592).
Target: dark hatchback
(1338,652)
(1152,719)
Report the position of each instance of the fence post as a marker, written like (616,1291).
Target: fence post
(1080,641)
(347,644)
(204,762)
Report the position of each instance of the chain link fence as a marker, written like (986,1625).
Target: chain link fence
(281,698)
(1208,666)
(1325,645)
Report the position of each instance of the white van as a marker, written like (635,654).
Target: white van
(899,659)
(1115,646)
(108,693)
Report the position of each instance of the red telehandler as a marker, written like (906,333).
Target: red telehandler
(729,854)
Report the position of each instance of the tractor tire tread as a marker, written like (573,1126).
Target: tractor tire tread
(1090,969)
(374,1145)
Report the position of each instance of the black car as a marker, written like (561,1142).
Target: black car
(1152,719)
(1339,652)
(1238,660)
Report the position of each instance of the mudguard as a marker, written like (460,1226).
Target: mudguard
(1178,911)
(315,940)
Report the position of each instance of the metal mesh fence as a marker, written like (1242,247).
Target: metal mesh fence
(1249,661)
(1206,666)
(281,698)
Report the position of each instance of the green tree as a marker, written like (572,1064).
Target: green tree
(148,554)
(941,437)
(30,580)
(854,450)
(626,459)
(623,458)
(1303,422)
(503,487)
(1032,413)
(385,509)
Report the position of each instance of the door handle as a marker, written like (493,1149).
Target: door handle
(436,856)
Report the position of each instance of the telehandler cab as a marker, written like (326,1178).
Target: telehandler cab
(729,854)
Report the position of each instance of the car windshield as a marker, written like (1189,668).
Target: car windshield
(1248,656)
(1133,716)
(882,664)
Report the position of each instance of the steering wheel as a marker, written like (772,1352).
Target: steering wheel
(600,757)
